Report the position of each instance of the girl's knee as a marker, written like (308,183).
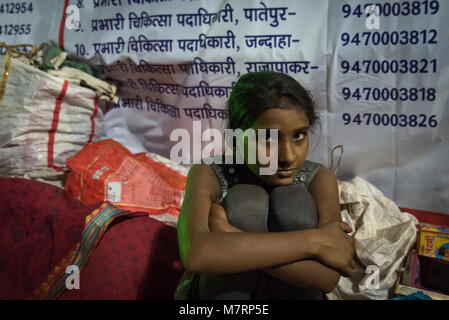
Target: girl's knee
(246,207)
(291,208)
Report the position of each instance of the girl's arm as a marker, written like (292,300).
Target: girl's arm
(306,273)
(230,252)
(303,274)
(324,190)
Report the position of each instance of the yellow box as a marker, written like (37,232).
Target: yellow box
(434,241)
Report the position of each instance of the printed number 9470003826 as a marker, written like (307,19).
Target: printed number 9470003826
(391,120)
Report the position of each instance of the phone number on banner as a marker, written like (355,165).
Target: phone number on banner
(390,66)
(375,38)
(15,29)
(391,120)
(386,9)
(389,94)
(16,7)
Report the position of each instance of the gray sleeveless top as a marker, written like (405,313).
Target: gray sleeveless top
(227,177)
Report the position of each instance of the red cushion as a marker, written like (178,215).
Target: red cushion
(39,225)
(137,258)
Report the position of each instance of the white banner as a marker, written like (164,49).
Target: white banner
(378,71)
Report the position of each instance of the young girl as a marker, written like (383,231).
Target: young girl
(253,236)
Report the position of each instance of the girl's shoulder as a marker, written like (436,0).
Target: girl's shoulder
(223,168)
(227,177)
(201,178)
(306,174)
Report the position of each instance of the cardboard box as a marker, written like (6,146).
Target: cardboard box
(433,241)
(426,273)
(410,273)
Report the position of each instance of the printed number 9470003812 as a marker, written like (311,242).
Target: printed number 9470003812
(387,38)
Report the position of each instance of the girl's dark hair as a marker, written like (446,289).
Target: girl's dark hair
(257,92)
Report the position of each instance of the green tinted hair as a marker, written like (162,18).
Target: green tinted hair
(257,92)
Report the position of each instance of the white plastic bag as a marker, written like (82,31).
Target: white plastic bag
(382,234)
(43,121)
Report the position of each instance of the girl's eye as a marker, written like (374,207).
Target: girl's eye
(299,136)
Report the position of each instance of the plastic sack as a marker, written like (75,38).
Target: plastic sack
(107,171)
(43,121)
(383,235)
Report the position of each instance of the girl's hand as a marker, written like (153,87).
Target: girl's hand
(218,221)
(334,247)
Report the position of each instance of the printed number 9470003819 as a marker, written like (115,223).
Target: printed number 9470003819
(390,8)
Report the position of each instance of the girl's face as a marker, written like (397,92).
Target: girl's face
(293,143)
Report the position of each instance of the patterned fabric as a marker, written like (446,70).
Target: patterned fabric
(227,177)
(136,259)
(40,228)
(120,255)
(96,225)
